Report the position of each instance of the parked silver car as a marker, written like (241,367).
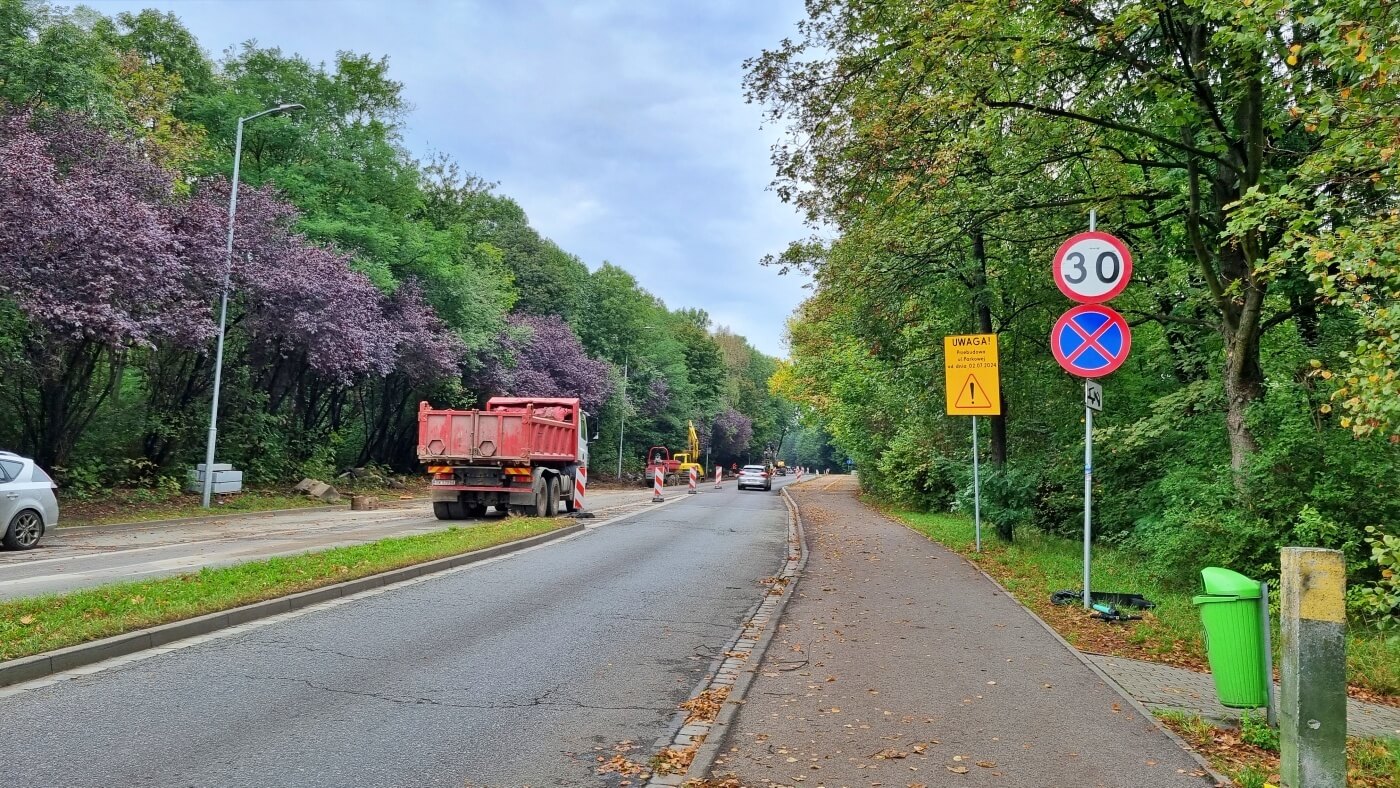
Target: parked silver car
(28,506)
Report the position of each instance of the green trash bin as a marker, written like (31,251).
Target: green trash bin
(1234,637)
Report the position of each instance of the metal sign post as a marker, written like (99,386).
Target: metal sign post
(1093,401)
(976,490)
(972,379)
(1091,340)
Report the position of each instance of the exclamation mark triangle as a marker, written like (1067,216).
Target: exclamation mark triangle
(973,395)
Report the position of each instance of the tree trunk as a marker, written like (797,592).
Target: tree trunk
(984,324)
(1244,383)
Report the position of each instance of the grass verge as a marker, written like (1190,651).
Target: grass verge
(39,624)
(1038,564)
(1249,756)
(143,505)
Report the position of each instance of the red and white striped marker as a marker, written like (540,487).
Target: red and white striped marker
(691,491)
(799,474)
(580,487)
(658,484)
(719,477)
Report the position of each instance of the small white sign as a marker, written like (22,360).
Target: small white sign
(1093,396)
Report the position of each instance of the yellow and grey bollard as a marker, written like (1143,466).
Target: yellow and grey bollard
(1313,710)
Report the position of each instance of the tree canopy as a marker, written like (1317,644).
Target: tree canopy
(1244,151)
(363,279)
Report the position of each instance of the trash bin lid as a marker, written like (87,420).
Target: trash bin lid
(1225,582)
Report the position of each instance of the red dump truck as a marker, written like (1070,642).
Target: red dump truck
(518,454)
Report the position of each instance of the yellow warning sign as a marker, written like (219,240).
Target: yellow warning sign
(972,375)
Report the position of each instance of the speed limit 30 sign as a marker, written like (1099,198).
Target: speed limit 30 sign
(1092,267)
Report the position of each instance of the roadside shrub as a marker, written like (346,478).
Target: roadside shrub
(1184,539)
(911,472)
(80,481)
(1255,729)
(1008,499)
(1377,603)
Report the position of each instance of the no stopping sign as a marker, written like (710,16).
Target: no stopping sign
(1092,267)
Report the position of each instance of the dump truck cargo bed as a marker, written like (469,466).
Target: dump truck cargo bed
(508,430)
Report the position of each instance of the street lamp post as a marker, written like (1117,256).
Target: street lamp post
(622,426)
(223,300)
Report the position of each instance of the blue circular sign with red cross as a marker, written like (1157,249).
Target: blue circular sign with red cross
(1091,340)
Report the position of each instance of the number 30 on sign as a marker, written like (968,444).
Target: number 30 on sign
(1093,267)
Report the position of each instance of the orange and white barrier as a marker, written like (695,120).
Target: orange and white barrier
(691,491)
(719,478)
(660,481)
(580,487)
(799,474)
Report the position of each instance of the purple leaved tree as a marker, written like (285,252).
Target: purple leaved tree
(540,356)
(427,351)
(655,398)
(730,434)
(304,328)
(91,259)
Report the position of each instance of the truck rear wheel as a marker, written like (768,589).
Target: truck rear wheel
(551,508)
(541,507)
(442,510)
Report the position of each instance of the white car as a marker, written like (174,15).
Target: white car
(28,506)
(756,477)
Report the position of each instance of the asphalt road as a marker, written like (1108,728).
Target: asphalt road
(521,671)
(71,558)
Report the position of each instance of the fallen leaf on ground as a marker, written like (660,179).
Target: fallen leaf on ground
(957,769)
(987,764)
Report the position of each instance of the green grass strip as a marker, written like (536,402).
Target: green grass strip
(39,624)
(1037,564)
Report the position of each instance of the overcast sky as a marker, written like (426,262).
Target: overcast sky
(619,125)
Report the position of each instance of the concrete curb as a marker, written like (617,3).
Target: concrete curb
(1219,779)
(737,673)
(60,660)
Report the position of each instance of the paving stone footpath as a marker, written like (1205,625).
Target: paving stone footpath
(1158,686)
(898,664)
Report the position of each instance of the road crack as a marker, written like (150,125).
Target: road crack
(542,700)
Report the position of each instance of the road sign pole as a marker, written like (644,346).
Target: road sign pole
(976,489)
(1088,492)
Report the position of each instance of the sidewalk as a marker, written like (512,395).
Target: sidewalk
(898,664)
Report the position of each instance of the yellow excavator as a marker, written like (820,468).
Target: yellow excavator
(690,458)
